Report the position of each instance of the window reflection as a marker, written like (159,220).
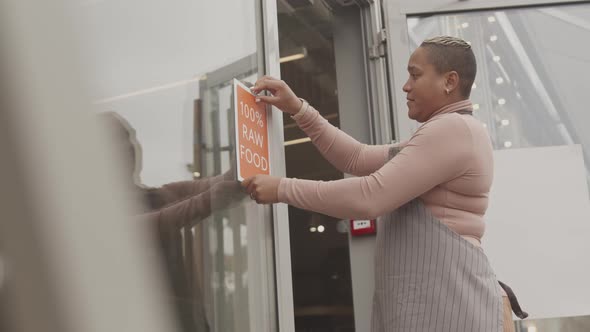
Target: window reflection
(566,324)
(162,68)
(529,89)
(170,209)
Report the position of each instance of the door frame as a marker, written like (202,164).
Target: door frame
(278,213)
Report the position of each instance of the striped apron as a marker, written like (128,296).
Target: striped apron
(428,278)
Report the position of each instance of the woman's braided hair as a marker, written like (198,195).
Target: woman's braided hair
(447,54)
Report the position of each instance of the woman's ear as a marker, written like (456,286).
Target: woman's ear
(451,81)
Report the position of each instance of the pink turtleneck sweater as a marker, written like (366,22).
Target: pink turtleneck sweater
(447,163)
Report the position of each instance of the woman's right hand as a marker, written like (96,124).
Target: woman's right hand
(282,97)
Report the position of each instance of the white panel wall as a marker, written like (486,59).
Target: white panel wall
(538,225)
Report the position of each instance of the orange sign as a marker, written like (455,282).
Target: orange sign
(252,148)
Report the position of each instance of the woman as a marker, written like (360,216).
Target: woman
(430,192)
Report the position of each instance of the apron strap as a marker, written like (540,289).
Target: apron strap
(466,112)
(513,301)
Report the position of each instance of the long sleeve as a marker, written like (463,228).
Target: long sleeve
(438,152)
(341,150)
(180,190)
(178,214)
(196,207)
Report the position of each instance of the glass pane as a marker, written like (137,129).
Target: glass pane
(161,74)
(322,286)
(526,91)
(529,91)
(561,324)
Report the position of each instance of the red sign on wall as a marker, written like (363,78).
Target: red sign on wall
(252,147)
(363,227)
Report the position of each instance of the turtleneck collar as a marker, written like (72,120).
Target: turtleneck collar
(454,107)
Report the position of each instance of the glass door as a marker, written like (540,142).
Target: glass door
(229,235)
(164,70)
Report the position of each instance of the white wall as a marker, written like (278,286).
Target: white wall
(538,224)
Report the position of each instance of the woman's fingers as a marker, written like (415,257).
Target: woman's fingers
(246,183)
(265,78)
(262,188)
(282,96)
(252,186)
(271,85)
(268,99)
(249,184)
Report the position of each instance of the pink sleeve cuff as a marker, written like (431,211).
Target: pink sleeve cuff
(282,192)
(305,114)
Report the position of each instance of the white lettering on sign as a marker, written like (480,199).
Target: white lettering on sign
(361,224)
(252,135)
(253,158)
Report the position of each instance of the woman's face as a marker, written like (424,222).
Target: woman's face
(425,87)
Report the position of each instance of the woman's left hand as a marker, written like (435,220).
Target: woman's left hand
(264,189)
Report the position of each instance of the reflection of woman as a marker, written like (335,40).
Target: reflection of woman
(431,193)
(178,203)
(170,208)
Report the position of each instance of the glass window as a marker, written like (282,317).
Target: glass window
(528,90)
(162,74)
(530,87)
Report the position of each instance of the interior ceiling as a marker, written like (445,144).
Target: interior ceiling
(308,25)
